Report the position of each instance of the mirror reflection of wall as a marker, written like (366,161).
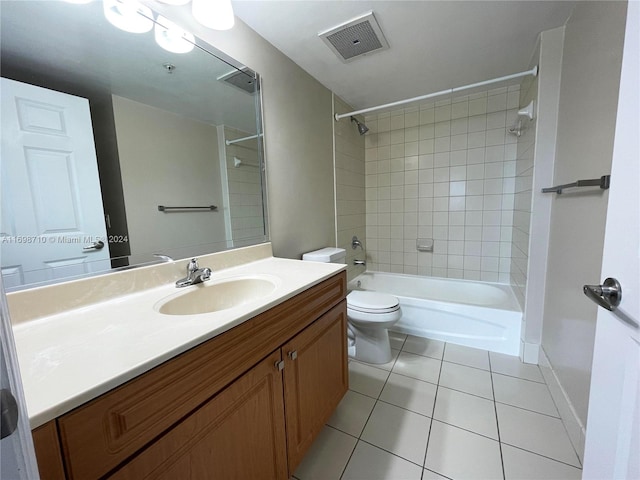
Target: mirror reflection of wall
(160,138)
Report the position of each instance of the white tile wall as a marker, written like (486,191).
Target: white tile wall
(522,194)
(350,188)
(446,171)
(245,189)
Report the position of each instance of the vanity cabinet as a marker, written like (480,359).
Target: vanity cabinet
(239,433)
(220,409)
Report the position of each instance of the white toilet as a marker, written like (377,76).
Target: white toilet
(369,314)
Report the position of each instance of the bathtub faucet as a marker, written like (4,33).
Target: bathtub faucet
(355,243)
(360,262)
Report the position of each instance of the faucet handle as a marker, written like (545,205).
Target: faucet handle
(206,274)
(193,265)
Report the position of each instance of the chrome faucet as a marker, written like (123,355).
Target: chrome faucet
(355,243)
(195,274)
(360,262)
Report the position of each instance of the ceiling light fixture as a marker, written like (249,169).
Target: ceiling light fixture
(128,15)
(216,14)
(171,37)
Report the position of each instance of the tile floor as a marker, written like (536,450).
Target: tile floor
(440,411)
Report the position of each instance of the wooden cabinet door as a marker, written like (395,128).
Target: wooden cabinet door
(315,379)
(238,434)
(48,454)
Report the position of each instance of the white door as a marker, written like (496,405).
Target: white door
(52,220)
(612,449)
(17,457)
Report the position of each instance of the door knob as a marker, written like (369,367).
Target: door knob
(608,295)
(8,413)
(99,245)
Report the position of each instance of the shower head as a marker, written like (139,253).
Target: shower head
(362,128)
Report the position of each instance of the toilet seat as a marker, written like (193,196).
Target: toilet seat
(372,302)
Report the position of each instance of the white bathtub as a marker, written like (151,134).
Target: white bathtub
(476,314)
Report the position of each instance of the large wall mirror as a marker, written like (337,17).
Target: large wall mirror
(115,148)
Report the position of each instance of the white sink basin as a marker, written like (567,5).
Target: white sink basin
(214,296)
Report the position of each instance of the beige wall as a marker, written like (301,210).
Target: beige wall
(586,121)
(298,137)
(167,159)
(350,195)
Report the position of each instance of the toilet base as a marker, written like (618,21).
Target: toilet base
(372,345)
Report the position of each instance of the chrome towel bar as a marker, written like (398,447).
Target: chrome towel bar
(212,208)
(602,182)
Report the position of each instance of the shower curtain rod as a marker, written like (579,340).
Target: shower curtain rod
(238,140)
(533,71)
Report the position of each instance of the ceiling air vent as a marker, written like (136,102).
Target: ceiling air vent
(355,38)
(244,79)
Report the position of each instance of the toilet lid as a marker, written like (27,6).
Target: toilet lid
(372,302)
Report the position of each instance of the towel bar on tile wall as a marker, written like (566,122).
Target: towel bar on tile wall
(603,182)
(208,208)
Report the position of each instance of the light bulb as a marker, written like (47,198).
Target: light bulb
(216,14)
(128,15)
(173,38)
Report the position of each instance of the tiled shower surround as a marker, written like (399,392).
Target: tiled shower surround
(445,171)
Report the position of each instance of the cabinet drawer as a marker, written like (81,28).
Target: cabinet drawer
(100,435)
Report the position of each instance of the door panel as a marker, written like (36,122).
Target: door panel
(16,450)
(51,201)
(612,448)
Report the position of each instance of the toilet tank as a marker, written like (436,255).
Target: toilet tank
(327,255)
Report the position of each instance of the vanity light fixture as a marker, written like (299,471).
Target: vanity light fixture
(171,37)
(216,14)
(128,15)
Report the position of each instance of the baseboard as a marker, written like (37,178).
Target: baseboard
(572,423)
(530,352)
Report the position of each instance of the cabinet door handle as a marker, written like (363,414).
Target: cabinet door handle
(280,365)
(293,355)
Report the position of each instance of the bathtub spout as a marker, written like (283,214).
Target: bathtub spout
(360,262)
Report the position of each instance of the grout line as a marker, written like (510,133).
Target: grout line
(466,430)
(529,410)
(389,452)
(519,378)
(433,411)
(465,365)
(443,476)
(495,409)
(407,409)
(414,378)
(467,393)
(543,456)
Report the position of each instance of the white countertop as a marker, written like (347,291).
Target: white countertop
(71,357)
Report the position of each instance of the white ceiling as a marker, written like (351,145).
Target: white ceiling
(434,45)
